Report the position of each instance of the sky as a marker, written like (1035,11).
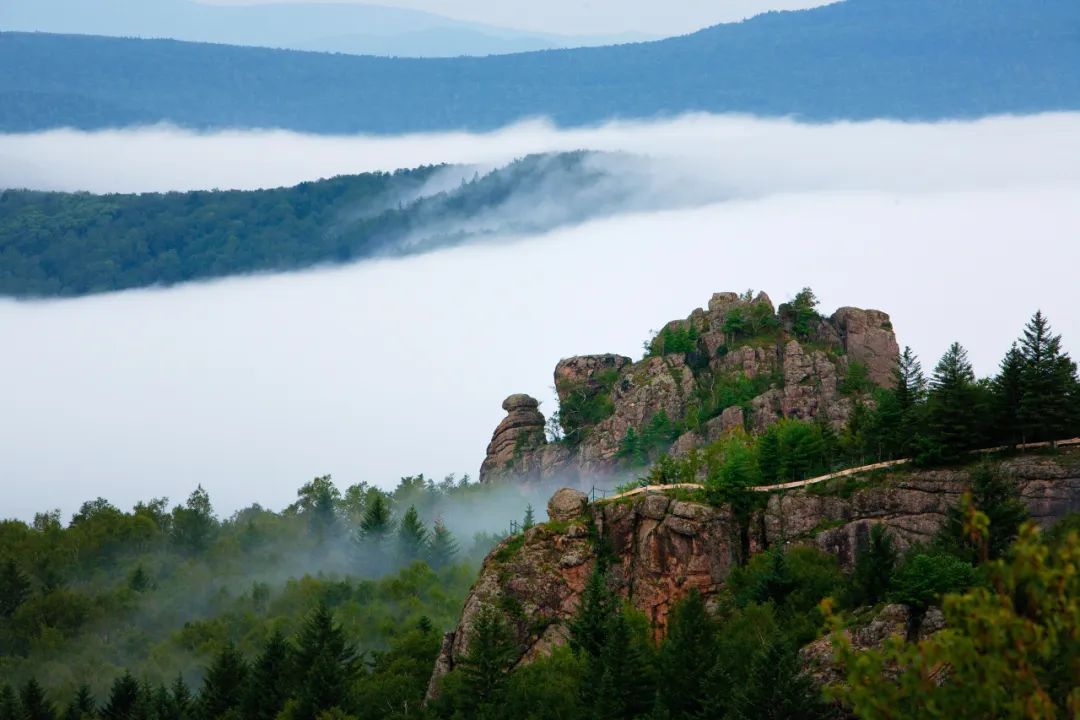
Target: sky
(674,17)
(253,386)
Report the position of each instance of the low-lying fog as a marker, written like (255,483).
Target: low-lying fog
(254,386)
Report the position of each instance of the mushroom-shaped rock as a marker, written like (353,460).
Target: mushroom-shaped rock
(567,504)
(518,435)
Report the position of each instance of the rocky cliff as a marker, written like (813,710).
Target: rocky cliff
(738,362)
(662,547)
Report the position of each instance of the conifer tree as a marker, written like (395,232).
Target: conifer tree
(412,536)
(997,497)
(688,650)
(626,688)
(776,688)
(124,701)
(327,665)
(14,588)
(82,705)
(530,518)
(375,525)
(589,628)
(161,707)
(225,683)
(271,682)
(1049,376)
(9,703)
(1008,393)
(874,564)
(443,547)
(35,706)
(953,406)
(488,659)
(181,699)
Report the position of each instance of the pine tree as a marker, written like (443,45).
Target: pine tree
(412,536)
(953,406)
(626,688)
(443,547)
(181,700)
(997,497)
(875,561)
(690,647)
(14,588)
(271,681)
(530,519)
(35,706)
(910,383)
(777,689)
(1048,378)
(768,450)
(375,525)
(161,707)
(1008,393)
(490,655)
(81,706)
(124,699)
(588,628)
(327,665)
(9,703)
(225,683)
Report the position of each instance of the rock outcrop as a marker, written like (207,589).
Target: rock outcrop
(736,363)
(662,547)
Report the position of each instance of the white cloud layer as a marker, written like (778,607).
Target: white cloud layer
(253,386)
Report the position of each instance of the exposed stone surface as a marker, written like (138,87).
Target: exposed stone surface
(796,379)
(516,438)
(567,504)
(817,657)
(663,547)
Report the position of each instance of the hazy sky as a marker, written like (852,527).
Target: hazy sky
(591,16)
(253,386)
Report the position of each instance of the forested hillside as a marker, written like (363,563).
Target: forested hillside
(77,243)
(855,59)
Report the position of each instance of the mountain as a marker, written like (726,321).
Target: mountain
(65,244)
(859,59)
(326,27)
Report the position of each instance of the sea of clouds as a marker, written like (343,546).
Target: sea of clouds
(252,386)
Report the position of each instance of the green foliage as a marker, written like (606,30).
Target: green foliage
(34,704)
(998,498)
(582,405)
(443,548)
(224,684)
(673,339)
(856,381)
(690,644)
(875,561)
(954,409)
(327,665)
(657,435)
(412,536)
(1009,646)
(376,524)
(801,313)
(792,450)
(1047,379)
(14,588)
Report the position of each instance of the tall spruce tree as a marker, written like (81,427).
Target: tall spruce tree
(82,705)
(443,548)
(225,684)
(490,655)
(182,702)
(777,689)
(412,536)
(627,687)
(124,701)
(35,706)
(875,560)
(14,588)
(1008,394)
(997,497)
(953,407)
(327,665)
(530,518)
(9,703)
(688,650)
(271,682)
(1049,376)
(375,525)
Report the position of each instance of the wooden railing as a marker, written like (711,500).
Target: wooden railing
(834,475)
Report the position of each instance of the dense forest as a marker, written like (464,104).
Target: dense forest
(64,244)
(910,59)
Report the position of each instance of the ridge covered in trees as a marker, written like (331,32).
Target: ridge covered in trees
(858,59)
(65,244)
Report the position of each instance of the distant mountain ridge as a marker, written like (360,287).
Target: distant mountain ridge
(858,59)
(354,28)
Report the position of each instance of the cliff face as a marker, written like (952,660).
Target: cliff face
(738,362)
(662,547)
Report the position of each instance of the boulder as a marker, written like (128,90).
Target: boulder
(514,441)
(567,504)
